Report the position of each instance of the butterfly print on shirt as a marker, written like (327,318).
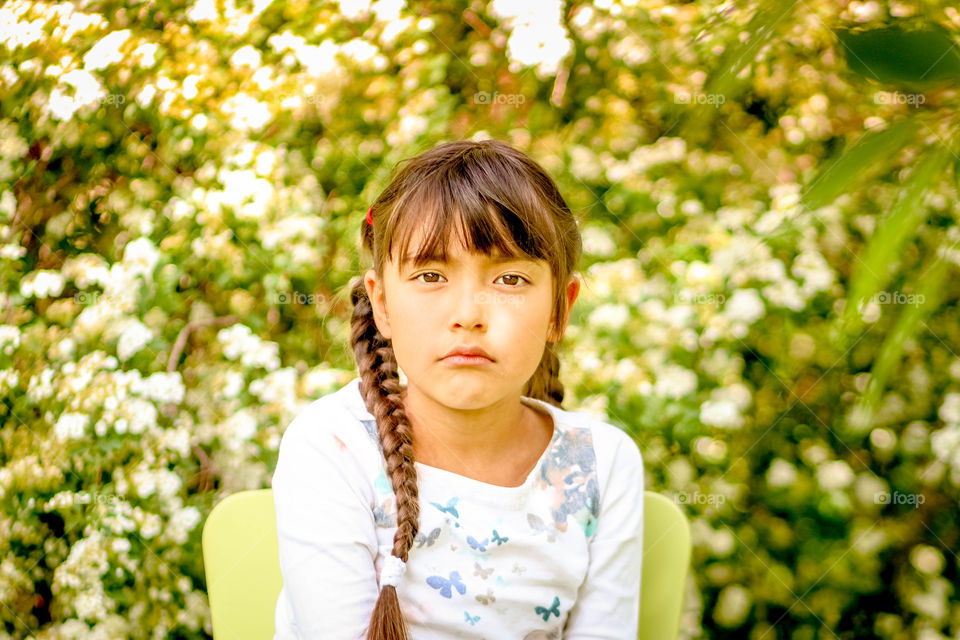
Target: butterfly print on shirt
(554,609)
(446,586)
(427,540)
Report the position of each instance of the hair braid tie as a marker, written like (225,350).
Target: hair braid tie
(393,570)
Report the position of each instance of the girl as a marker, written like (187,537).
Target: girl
(466,503)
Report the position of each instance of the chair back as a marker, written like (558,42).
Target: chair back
(666,557)
(242,565)
(241,561)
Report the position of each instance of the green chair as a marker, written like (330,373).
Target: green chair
(241,562)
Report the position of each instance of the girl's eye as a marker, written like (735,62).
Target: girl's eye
(514,275)
(428,273)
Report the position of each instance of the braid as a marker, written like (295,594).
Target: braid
(383,396)
(545,383)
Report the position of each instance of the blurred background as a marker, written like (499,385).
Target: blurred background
(767,196)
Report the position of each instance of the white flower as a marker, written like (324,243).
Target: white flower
(721,413)
(8,380)
(926,559)
(597,242)
(239,428)
(609,316)
(106,51)
(87,91)
(121,545)
(246,112)
(12,147)
(151,526)
(835,474)
(12,251)
(90,603)
(168,483)
(182,522)
(245,56)
(703,274)
(662,151)
(9,338)
(144,482)
(781,473)
(85,270)
(203,10)
(785,293)
(140,257)
(233,384)
(539,38)
(745,305)
(71,425)
(176,440)
(278,386)
(949,410)
(40,386)
(354,9)
(135,337)
(146,54)
(816,273)
(161,387)
(42,284)
(945,444)
(64,349)
(142,413)
(245,191)
(359,50)
(239,342)
(674,381)
(732,606)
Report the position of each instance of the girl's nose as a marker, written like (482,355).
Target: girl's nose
(471,304)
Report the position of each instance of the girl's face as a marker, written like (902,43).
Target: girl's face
(502,306)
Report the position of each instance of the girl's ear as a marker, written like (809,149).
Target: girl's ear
(375,292)
(573,289)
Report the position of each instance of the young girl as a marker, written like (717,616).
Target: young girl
(466,503)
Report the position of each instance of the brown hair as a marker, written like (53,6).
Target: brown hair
(495,198)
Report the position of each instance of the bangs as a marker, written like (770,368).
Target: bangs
(453,209)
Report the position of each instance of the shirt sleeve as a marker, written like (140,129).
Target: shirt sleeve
(326,532)
(608,601)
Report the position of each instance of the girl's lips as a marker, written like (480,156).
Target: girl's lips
(462,359)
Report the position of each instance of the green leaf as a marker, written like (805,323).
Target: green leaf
(869,156)
(915,311)
(913,58)
(761,28)
(722,85)
(893,231)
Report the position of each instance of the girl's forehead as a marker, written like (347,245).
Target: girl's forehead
(419,243)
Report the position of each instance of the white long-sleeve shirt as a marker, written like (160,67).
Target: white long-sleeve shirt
(557,557)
